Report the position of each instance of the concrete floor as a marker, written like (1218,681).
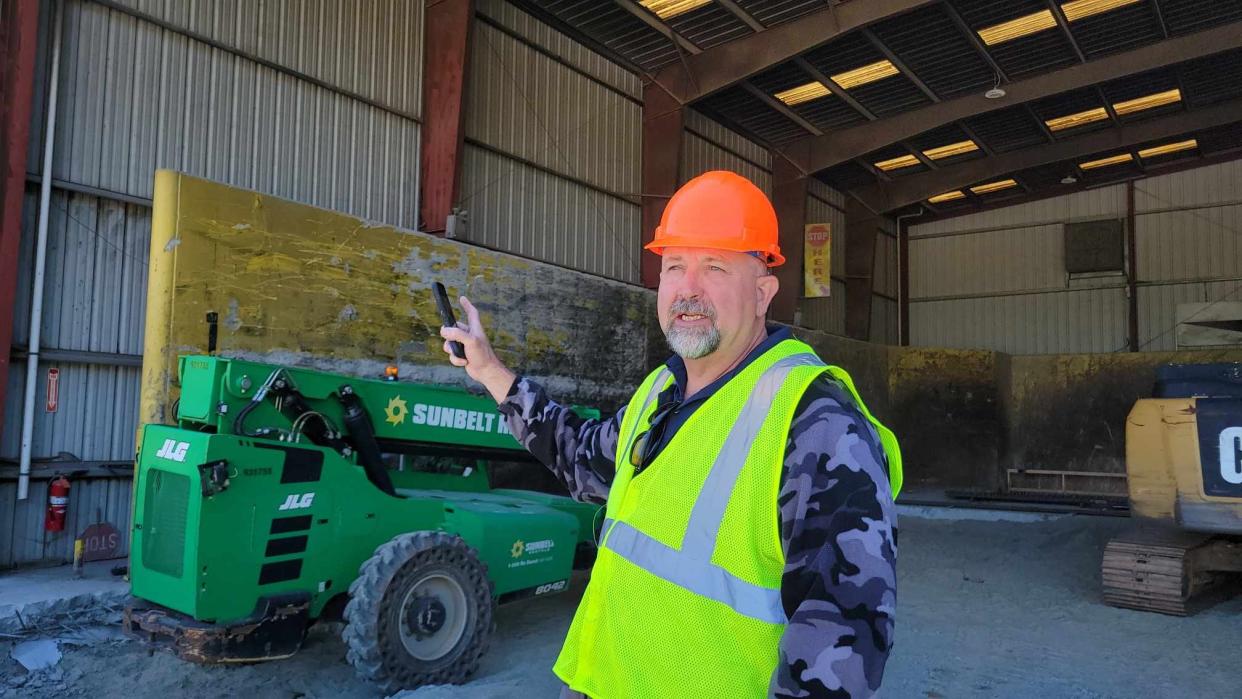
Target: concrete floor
(28,595)
(989,605)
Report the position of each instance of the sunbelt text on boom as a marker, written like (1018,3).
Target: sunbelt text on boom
(455,418)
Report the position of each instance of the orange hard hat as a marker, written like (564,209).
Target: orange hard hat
(722,210)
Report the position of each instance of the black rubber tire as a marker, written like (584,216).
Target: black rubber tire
(372,631)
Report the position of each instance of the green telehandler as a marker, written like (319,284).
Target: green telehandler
(286,495)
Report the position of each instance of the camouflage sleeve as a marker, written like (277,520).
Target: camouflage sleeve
(580,452)
(838,527)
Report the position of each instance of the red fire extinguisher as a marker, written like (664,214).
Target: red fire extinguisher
(57,504)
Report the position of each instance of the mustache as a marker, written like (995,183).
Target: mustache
(692,306)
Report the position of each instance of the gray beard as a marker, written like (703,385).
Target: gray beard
(692,343)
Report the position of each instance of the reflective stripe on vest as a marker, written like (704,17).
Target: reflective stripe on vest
(690,566)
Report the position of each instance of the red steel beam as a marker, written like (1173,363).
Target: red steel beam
(19,29)
(448,32)
(789,190)
(663,124)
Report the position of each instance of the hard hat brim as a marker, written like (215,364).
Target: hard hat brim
(775,258)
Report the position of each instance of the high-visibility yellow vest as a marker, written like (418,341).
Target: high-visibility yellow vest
(684,598)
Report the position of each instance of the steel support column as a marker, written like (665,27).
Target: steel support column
(1132,268)
(663,124)
(789,190)
(449,26)
(903,272)
(19,29)
(861,229)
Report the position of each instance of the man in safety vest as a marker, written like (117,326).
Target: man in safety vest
(749,543)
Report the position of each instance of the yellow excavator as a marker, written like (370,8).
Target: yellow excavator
(1184,468)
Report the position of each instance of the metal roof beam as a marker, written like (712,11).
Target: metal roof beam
(1155,8)
(975,137)
(1059,15)
(975,41)
(834,88)
(734,61)
(1108,106)
(737,11)
(659,25)
(1043,125)
(900,65)
(916,188)
(918,155)
(782,108)
(842,145)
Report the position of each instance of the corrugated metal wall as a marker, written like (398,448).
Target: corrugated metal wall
(1189,236)
(996,279)
(551,168)
(884,313)
(90,500)
(534,213)
(312,100)
(706,145)
(94,300)
(826,205)
(135,97)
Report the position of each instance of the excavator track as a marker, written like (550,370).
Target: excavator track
(1157,571)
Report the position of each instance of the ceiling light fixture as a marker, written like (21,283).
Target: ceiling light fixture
(1069,179)
(1138,104)
(995,93)
(994,186)
(1070,121)
(1078,9)
(1017,28)
(1105,162)
(865,74)
(802,93)
(1168,148)
(959,148)
(1043,20)
(1122,108)
(947,196)
(671,8)
(897,163)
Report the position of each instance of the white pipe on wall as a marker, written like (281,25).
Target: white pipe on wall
(36,300)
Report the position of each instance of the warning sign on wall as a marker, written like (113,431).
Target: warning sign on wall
(817,260)
(53,389)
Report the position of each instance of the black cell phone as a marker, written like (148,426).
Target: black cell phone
(446,317)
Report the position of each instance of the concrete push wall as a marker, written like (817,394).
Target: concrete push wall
(295,284)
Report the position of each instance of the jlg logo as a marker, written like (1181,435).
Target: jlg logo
(298,502)
(173,450)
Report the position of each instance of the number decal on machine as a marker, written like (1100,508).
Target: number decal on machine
(297,502)
(551,587)
(1220,446)
(1231,455)
(173,450)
